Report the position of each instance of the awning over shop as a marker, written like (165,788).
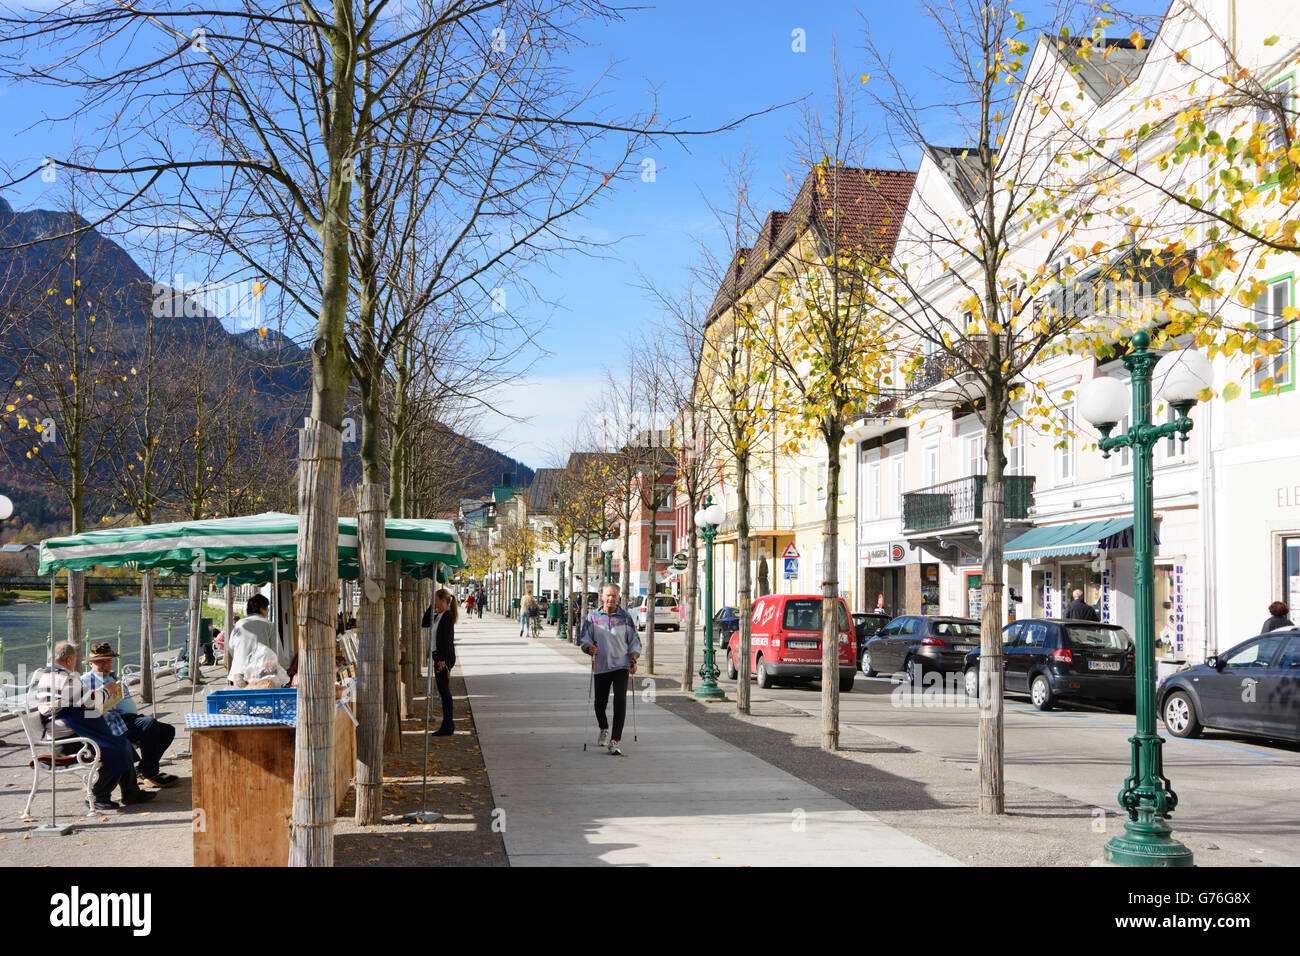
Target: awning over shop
(1062,540)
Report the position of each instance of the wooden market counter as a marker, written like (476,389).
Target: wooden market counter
(243,790)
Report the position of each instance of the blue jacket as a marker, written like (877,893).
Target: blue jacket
(615,638)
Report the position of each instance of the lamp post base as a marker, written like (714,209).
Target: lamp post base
(710,692)
(1147,844)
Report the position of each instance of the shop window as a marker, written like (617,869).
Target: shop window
(1291,574)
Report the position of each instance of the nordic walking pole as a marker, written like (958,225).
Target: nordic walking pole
(634,695)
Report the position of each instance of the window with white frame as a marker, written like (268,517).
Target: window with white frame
(975,464)
(1121,459)
(1270,316)
(821,482)
(1015,448)
(873,491)
(553,564)
(895,499)
(1065,451)
(663,545)
(930,464)
(1172,448)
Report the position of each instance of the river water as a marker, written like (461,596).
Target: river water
(22,625)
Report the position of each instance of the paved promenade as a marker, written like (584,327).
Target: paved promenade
(681,796)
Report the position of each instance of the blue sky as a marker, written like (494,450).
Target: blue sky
(711,62)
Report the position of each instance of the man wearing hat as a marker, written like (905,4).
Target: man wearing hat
(151,736)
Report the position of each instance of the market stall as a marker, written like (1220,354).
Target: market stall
(243,741)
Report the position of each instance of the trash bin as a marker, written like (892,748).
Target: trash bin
(553,612)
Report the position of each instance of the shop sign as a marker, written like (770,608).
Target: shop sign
(1049,594)
(1180,626)
(894,553)
(1105,594)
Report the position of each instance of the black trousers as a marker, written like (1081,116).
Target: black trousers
(153,737)
(618,681)
(443,679)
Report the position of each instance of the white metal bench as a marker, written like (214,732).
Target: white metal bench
(84,761)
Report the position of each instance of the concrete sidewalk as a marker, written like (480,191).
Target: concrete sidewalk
(680,797)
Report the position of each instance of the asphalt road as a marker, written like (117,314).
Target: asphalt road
(1237,792)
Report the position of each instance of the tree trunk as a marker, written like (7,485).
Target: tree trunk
(146,637)
(229,623)
(76,595)
(392,674)
(311,828)
(743,608)
(830,599)
(992,784)
(692,597)
(371,506)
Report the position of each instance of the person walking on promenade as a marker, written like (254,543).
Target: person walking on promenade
(1278,618)
(479,602)
(442,618)
(609,635)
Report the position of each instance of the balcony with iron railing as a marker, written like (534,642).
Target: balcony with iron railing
(959,502)
(763,519)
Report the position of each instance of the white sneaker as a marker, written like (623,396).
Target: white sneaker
(614,749)
(603,739)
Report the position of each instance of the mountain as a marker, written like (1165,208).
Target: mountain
(35,283)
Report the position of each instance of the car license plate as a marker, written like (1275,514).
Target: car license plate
(1103,665)
(966,647)
(801,645)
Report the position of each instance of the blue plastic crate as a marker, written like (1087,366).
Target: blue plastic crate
(279,704)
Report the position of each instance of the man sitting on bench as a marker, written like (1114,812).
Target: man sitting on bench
(153,737)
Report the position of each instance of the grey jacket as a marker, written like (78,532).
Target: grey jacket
(615,638)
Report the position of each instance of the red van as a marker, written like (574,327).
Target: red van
(786,641)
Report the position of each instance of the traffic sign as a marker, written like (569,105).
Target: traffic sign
(790,551)
(791,568)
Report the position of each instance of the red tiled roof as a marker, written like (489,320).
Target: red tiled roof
(865,206)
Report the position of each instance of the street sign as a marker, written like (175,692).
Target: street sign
(791,551)
(680,561)
(791,567)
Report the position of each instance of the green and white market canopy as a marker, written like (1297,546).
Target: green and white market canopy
(244,549)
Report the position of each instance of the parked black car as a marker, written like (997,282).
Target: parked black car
(1254,688)
(914,644)
(1051,660)
(865,627)
(726,621)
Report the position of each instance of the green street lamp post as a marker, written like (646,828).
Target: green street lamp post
(607,547)
(1147,796)
(707,520)
(562,632)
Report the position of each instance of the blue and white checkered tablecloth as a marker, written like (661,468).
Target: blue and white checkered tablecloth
(198,721)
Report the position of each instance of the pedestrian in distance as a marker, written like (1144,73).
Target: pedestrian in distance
(1278,618)
(479,602)
(442,618)
(527,611)
(609,635)
(1079,610)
